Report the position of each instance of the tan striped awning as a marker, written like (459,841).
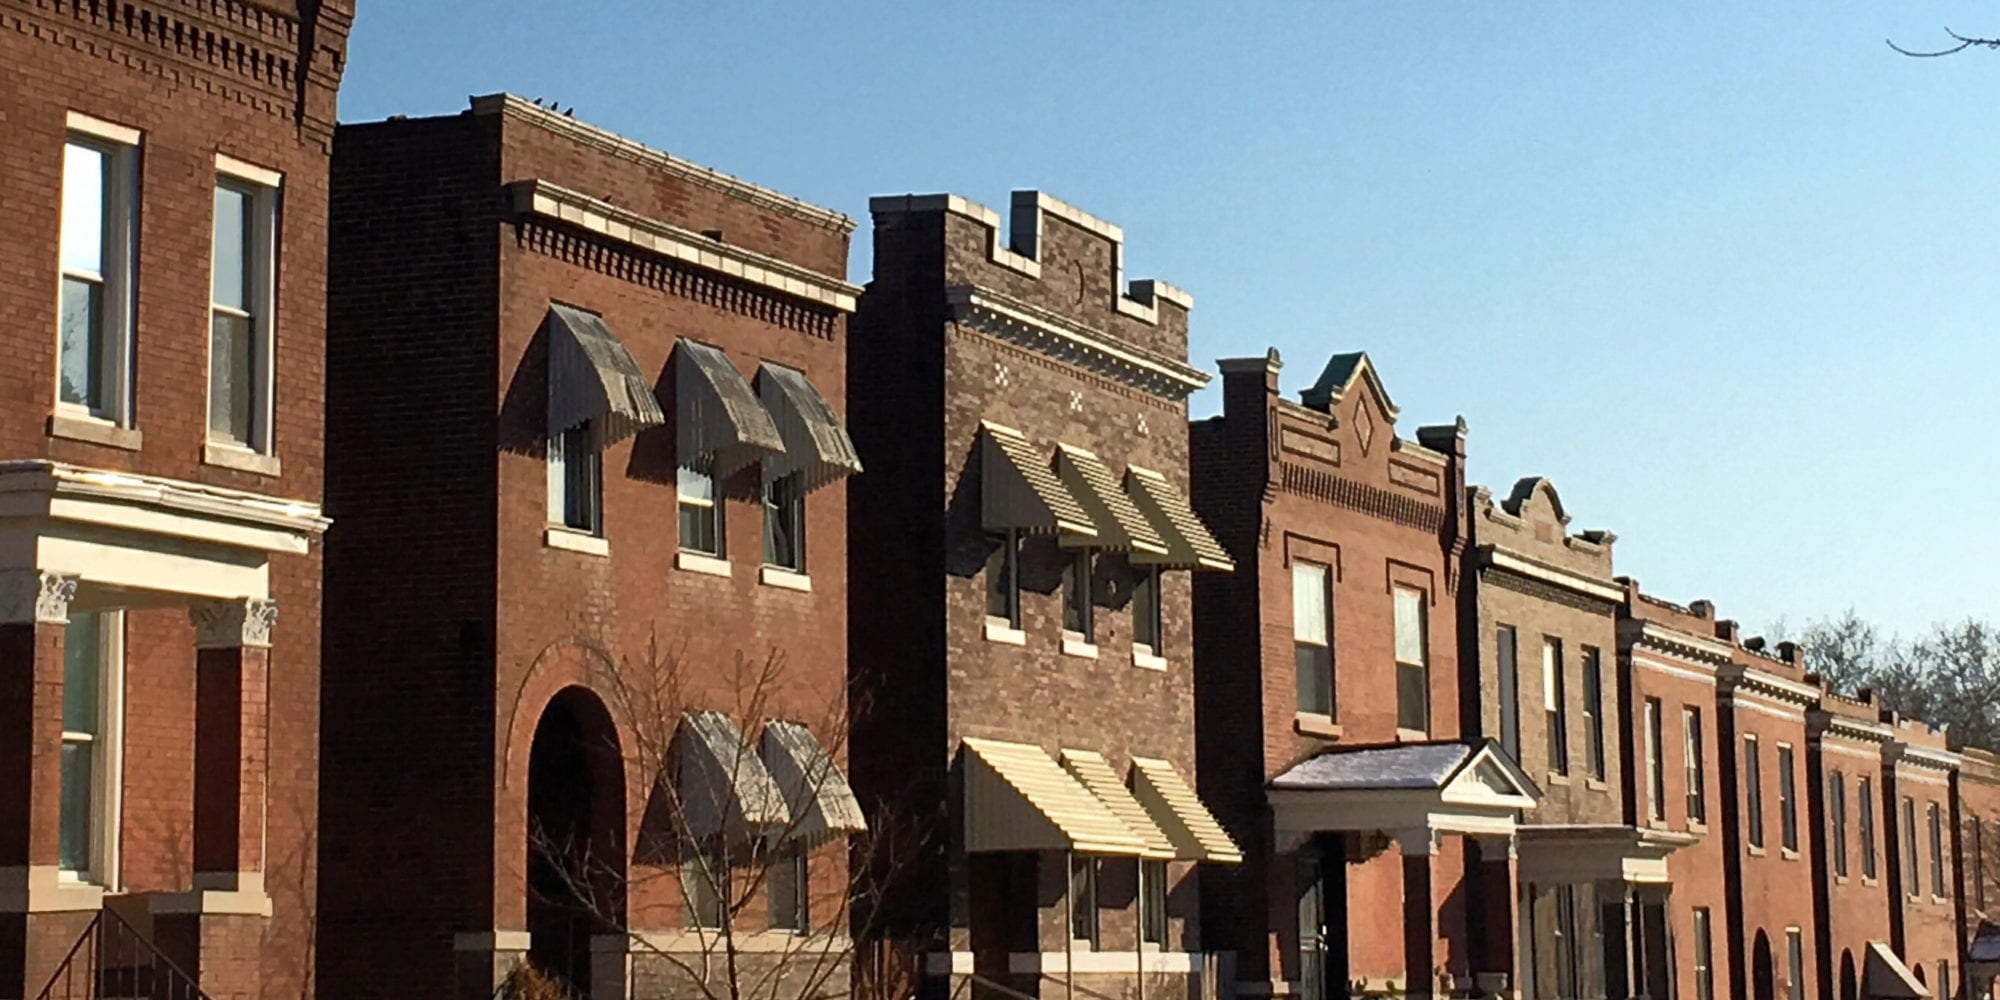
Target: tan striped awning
(1180,813)
(1119,523)
(593,377)
(1018,489)
(722,425)
(1095,773)
(817,448)
(723,785)
(1018,799)
(1190,544)
(822,805)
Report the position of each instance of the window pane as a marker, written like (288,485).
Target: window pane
(1076,593)
(694,484)
(231,280)
(231,383)
(704,882)
(580,478)
(1753,779)
(1788,813)
(1309,602)
(1795,964)
(1315,678)
(78,803)
(1409,626)
(1864,800)
(785,885)
(1510,697)
(1083,898)
(83,674)
(82,348)
(1153,901)
(1412,697)
(85,180)
(700,512)
(1656,768)
(1000,577)
(1146,610)
(784,524)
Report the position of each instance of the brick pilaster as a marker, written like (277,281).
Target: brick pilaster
(1419,913)
(231,739)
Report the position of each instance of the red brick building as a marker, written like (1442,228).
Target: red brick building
(1024,690)
(1976,786)
(162,298)
(1846,740)
(1378,840)
(1917,780)
(584,405)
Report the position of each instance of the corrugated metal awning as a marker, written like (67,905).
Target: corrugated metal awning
(1018,489)
(1119,523)
(817,448)
(1885,975)
(822,805)
(593,377)
(1189,542)
(722,426)
(1095,773)
(1018,799)
(1180,814)
(724,787)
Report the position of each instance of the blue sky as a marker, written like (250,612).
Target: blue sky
(1722,271)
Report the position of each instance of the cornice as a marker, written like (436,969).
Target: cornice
(56,479)
(1898,752)
(1657,638)
(1823,723)
(1743,678)
(1498,557)
(1045,333)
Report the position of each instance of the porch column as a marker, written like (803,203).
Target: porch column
(1495,930)
(1419,849)
(231,742)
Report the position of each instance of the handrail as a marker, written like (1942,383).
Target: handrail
(118,961)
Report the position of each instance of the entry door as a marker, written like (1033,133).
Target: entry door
(1323,919)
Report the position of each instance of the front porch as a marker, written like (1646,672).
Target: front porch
(1593,904)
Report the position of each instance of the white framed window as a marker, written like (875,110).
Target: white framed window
(1147,624)
(1083,926)
(786,883)
(98,264)
(1153,902)
(705,886)
(1836,793)
(700,512)
(1795,964)
(1788,803)
(1505,642)
(576,479)
(1864,803)
(1079,613)
(1003,579)
(92,747)
(1704,957)
(1753,791)
(1936,817)
(1692,754)
(1312,636)
(243,306)
(1911,885)
(785,523)
(1555,704)
(1656,764)
(1593,710)
(1413,672)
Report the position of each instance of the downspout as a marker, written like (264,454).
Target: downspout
(1069,932)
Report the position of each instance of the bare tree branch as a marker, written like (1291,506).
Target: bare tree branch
(1964,43)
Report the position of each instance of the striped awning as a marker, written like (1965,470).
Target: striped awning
(817,448)
(722,426)
(1018,799)
(1180,813)
(822,805)
(724,787)
(1189,543)
(1119,523)
(1095,773)
(1019,490)
(592,377)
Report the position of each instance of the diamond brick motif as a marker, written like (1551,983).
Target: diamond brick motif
(1001,376)
(1076,402)
(1364,425)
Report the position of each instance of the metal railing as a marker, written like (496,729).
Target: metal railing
(112,961)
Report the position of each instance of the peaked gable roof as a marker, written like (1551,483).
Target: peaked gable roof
(1339,374)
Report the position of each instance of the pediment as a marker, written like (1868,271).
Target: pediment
(1489,777)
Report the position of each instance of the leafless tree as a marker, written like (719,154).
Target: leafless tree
(1949,674)
(1964,42)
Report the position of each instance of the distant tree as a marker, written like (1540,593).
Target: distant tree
(1948,675)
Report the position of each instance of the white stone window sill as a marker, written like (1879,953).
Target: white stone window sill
(228,902)
(1870,882)
(1696,826)
(1311,724)
(999,630)
(1411,735)
(570,539)
(1788,854)
(1147,660)
(1756,852)
(1940,900)
(241,459)
(1596,784)
(787,579)
(1072,646)
(1558,778)
(698,562)
(96,430)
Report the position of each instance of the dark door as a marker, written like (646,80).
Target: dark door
(1323,919)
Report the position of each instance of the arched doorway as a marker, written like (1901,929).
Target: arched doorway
(576,835)
(1850,986)
(1763,974)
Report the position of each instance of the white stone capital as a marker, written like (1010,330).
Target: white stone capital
(245,622)
(1418,842)
(35,597)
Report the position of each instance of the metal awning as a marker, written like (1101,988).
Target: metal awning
(1018,490)
(1180,814)
(1018,799)
(817,447)
(1189,542)
(1119,523)
(1883,975)
(724,787)
(1091,770)
(593,377)
(822,805)
(722,426)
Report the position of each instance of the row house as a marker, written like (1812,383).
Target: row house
(1024,697)
(1918,765)
(584,407)
(1378,834)
(1846,745)
(162,294)
(1976,807)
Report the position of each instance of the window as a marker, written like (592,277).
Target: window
(1937,852)
(1553,705)
(1944,978)
(1593,710)
(1836,796)
(1656,767)
(576,479)
(1312,636)
(785,883)
(1753,792)
(700,512)
(705,886)
(1146,623)
(1083,899)
(1153,902)
(1978,864)
(1795,964)
(1910,881)
(1413,685)
(1566,943)
(1704,964)
(1788,803)
(1864,803)
(1691,752)
(94,334)
(93,682)
(785,524)
(241,303)
(1078,619)
(1003,578)
(1510,693)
